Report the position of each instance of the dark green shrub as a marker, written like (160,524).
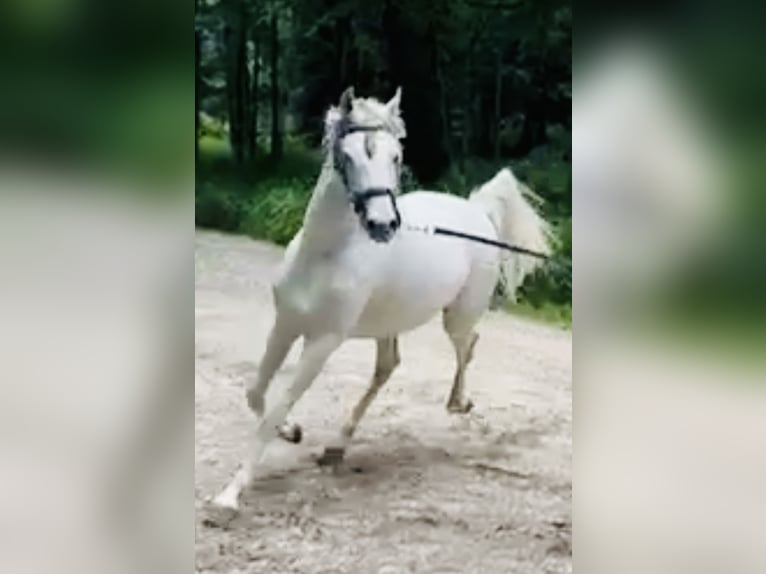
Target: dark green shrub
(277,213)
(217,208)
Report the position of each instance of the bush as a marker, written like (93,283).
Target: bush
(212,127)
(277,212)
(552,181)
(217,208)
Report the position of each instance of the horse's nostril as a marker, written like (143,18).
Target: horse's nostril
(394,225)
(380,231)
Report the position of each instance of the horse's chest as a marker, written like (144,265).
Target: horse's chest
(322,289)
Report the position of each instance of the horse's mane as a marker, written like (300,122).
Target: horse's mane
(365,113)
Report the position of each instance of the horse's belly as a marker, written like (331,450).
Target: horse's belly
(420,282)
(392,315)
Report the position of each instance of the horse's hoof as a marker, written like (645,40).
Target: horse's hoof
(291,433)
(332,456)
(219,515)
(460,408)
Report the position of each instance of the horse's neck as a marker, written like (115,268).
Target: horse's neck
(329,222)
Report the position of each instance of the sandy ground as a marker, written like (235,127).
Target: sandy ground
(422,490)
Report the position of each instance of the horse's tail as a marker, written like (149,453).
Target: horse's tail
(508,205)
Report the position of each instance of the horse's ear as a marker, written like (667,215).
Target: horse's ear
(346,100)
(393,103)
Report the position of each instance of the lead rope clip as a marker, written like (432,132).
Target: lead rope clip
(427,229)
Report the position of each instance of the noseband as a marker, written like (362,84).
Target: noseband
(359,199)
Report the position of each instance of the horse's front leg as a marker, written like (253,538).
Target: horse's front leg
(280,341)
(316,351)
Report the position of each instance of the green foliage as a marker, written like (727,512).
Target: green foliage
(264,200)
(216,163)
(213,148)
(299,161)
(211,127)
(277,212)
(273,211)
(553,283)
(218,208)
(551,180)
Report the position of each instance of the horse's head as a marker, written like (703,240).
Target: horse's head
(363,136)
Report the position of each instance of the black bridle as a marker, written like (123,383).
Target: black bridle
(359,201)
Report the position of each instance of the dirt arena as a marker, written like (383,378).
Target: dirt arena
(422,490)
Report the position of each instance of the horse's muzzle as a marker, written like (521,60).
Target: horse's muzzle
(382,232)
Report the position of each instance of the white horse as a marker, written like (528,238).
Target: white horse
(360,267)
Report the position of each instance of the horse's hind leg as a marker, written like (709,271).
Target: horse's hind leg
(387,359)
(459,323)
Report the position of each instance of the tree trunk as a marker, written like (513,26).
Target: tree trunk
(344,53)
(443,106)
(237,80)
(197,95)
(231,92)
(412,64)
(498,100)
(254,93)
(468,109)
(276,133)
(243,91)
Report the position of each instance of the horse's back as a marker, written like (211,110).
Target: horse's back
(431,209)
(442,209)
